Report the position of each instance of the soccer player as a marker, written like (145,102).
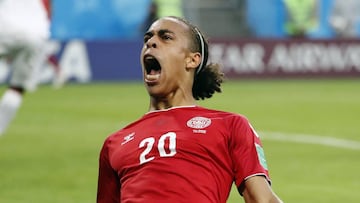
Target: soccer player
(24,31)
(180,151)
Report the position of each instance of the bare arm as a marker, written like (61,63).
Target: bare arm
(258,190)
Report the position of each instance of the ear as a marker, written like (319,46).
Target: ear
(193,60)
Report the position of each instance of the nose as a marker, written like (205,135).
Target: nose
(151,43)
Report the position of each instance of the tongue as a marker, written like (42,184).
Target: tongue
(154,72)
(153,76)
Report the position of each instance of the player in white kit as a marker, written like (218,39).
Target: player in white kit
(24,32)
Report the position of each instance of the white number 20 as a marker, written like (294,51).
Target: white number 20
(149,143)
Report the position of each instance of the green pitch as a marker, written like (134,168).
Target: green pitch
(50,152)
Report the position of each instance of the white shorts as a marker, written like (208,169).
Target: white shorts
(24,32)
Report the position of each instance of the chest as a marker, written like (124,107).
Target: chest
(154,140)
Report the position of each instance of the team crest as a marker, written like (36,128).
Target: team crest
(198,122)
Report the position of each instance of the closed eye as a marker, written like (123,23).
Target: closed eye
(163,34)
(166,37)
(166,34)
(147,36)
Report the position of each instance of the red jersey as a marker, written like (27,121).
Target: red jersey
(182,154)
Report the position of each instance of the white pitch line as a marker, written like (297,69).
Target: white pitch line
(312,139)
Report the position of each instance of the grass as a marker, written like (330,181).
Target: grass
(50,152)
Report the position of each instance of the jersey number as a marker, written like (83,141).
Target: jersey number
(149,143)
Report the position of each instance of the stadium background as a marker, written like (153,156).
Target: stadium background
(301,95)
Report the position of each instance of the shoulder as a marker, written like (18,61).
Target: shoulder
(225,115)
(120,132)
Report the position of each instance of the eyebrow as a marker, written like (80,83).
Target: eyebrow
(161,32)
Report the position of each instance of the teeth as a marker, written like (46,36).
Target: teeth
(149,57)
(152,77)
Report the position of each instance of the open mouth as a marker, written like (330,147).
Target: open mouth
(152,68)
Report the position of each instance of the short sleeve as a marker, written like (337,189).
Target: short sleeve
(246,152)
(108,182)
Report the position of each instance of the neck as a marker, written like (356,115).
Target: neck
(166,103)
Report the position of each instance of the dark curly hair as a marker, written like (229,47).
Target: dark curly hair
(208,77)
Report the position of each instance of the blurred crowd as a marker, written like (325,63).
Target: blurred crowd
(95,19)
(313,18)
